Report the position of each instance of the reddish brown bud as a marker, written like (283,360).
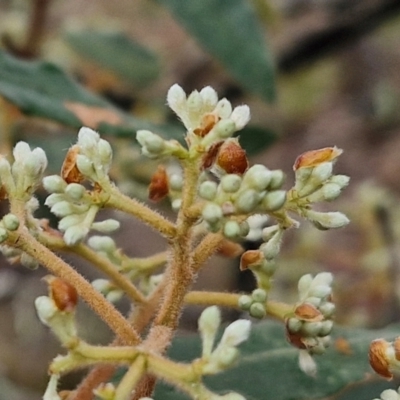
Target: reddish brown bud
(207,123)
(69,171)
(230,249)
(158,187)
(378,358)
(308,312)
(315,157)
(62,293)
(295,339)
(232,157)
(250,258)
(209,158)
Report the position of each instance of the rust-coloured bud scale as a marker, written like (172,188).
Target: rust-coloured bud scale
(159,186)
(62,293)
(232,158)
(378,358)
(209,158)
(69,170)
(396,345)
(315,157)
(251,257)
(308,312)
(207,123)
(295,339)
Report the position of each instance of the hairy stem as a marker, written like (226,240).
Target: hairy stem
(107,312)
(133,207)
(99,262)
(131,378)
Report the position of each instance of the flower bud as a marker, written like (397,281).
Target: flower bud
(3,235)
(10,222)
(268,232)
(247,201)
(225,128)
(29,262)
(273,246)
(87,139)
(320,291)
(208,190)
(209,97)
(176,99)
(274,200)
(106,226)
(102,243)
(236,333)
(232,157)
(209,322)
(341,180)
(294,325)
(46,309)
(105,152)
(245,302)
(257,310)
(277,179)
(232,230)
(63,208)
(223,109)
(212,213)
(240,116)
(259,295)
(326,328)
(311,328)
(75,191)
(70,220)
(307,363)
(85,166)
(54,184)
(75,234)
(258,177)
(176,182)
(327,309)
(327,220)
(231,183)
(304,284)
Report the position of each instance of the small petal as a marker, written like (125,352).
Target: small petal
(240,116)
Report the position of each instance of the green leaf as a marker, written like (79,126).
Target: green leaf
(42,89)
(255,139)
(231,32)
(268,367)
(117,53)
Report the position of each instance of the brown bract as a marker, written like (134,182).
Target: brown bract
(230,249)
(209,158)
(232,157)
(69,171)
(159,186)
(92,116)
(315,157)
(62,293)
(207,123)
(308,312)
(251,257)
(378,358)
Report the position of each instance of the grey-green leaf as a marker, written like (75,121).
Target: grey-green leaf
(116,52)
(232,33)
(268,367)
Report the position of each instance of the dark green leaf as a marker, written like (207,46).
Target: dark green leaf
(268,367)
(231,32)
(117,53)
(255,139)
(42,89)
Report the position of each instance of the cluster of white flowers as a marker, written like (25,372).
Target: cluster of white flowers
(225,353)
(70,200)
(311,324)
(22,177)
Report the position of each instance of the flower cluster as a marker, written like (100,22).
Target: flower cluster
(254,304)
(310,326)
(20,179)
(225,353)
(89,159)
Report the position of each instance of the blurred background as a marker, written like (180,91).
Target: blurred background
(315,73)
